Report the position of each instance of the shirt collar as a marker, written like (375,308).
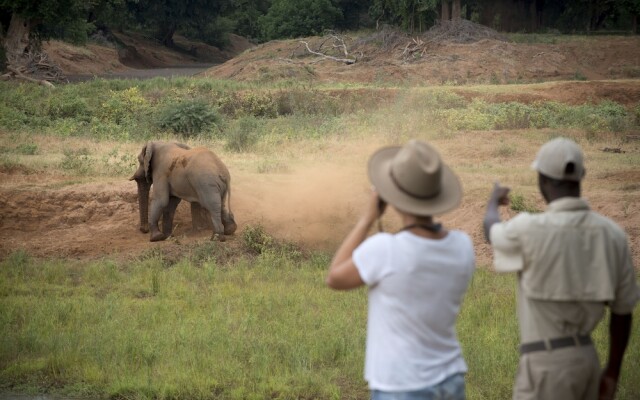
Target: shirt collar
(568,204)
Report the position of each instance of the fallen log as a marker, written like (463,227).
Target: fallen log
(19,75)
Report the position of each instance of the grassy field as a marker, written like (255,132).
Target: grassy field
(251,328)
(255,320)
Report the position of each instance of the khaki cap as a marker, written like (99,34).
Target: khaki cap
(554,158)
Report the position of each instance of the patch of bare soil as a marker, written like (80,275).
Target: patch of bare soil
(396,58)
(88,221)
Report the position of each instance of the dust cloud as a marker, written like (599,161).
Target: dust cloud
(311,206)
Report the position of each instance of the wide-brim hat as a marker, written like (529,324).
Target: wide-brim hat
(414,179)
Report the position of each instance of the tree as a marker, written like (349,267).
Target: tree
(166,17)
(633,8)
(30,18)
(246,13)
(295,18)
(412,15)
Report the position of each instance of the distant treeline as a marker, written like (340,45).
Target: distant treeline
(261,20)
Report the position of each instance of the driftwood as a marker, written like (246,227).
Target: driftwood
(18,75)
(33,66)
(347,61)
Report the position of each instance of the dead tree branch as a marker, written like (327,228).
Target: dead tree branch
(347,61)
(19,75)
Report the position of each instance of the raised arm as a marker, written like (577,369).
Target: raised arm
(343,273)
(499,197)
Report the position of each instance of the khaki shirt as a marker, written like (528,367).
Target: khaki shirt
(571,262)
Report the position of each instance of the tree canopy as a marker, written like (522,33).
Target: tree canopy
(25,21)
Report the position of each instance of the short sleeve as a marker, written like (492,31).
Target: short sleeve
(370,258)
(507,250)
(627,292)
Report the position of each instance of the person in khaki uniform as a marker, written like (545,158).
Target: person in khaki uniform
(571,263)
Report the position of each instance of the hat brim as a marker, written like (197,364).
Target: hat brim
(379,170)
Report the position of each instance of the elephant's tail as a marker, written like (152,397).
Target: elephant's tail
(229,196)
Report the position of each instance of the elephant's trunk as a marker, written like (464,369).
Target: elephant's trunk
(143,203)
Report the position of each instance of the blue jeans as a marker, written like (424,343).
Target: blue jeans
(451,388)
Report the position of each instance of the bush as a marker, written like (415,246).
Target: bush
(68,107)
(511,115)
(77,161)
(188,118)
(248,104)
(256,240)
(519,203)
(243,134)
(122,106)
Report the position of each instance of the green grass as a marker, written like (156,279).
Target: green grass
(224,324)
(255,328)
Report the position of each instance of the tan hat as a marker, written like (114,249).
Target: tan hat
(413,179)
(555,156)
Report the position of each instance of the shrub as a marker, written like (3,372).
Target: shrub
(519,203)
(248,103)
(579,76)
(243,134)
(188,118)
(123,105)
(474,118)
(68,107)
(77,161)
(256,240)
(511,115)
(116,163)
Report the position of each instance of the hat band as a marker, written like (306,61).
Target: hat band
(403,190)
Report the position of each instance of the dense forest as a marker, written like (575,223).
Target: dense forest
(24,23)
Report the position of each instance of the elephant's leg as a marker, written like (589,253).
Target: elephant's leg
(199,217)
(229,223)
(158,205)
(168,214)
(212,202)
(228,220)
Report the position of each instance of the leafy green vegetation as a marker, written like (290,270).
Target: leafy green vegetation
(188,118)
(244,116)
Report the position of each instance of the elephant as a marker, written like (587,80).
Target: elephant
(178,172)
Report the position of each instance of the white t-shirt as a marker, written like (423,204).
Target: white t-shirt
(416,286)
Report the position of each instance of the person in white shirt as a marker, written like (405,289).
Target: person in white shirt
(416,277)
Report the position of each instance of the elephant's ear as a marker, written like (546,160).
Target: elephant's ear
(148,153)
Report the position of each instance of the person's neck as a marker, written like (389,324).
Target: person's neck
(423,226)
(559,194)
